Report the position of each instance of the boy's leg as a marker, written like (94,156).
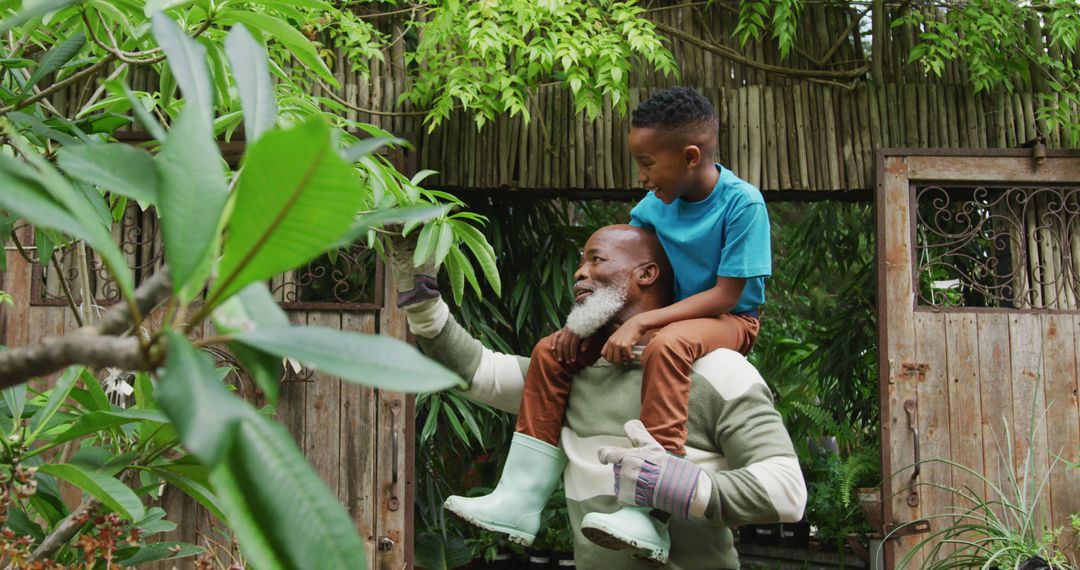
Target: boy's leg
(547,387)
(667,359)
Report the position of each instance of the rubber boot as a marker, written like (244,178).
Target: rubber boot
(532,470)
(630,528)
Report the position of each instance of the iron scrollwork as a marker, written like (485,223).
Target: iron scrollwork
(349,278)
(1008,247)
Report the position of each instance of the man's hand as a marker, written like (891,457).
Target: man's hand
(567,345)
(619,347)
(414,284)
(647,476)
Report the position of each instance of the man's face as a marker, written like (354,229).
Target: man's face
(662,166)
(602,282)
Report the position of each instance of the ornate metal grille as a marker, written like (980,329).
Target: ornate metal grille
(1007,247)
(350,278)
(137,235)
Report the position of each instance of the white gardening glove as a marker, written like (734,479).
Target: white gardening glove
(646,475)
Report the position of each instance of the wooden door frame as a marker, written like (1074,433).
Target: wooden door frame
(905,167)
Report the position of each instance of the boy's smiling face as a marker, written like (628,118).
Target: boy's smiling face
(663,165)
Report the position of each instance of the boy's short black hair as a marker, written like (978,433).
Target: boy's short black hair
(681,110)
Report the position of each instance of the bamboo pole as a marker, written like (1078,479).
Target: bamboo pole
(768,122)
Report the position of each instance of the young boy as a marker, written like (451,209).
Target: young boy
(715,231)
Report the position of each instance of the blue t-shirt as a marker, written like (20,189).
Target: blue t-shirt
(724,235)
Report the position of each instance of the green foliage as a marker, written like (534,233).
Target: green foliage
(817,346)
(436,553)
(109,447)
(829,506)
(294,196)
(485,56)
(389,363)
(250,67)
(753,14)
(996,42)
(817,350)
(124,169)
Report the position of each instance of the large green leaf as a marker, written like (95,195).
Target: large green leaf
(54,60)
(411,214)
(98,421)
(251,71)
(196,488)
(161,551)
(295,198)
(187,62)
(96,202)
(279,508)
(57,395)
(117,167)
(15,399)
(192,196)
(364,147)
(202,409)
(110,491)
(282,513)
(33,11)
(249,309)
(483,251)
(379,361)
(27,194)
(290,37)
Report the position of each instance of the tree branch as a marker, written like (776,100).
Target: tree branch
(330,92)
(65,530)
(104,61)
(734,55)
(19,365)
(149,295)
(97,346)
(67,291)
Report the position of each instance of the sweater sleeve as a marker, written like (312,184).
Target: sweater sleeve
(762,481)
(494,378)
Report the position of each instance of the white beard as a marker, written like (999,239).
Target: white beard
(597,309)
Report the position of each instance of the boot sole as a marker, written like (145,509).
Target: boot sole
(610,539)
(512,534)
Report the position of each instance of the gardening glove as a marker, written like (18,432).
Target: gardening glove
(646,475)
(414,284)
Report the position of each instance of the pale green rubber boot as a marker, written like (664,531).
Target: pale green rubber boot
(630,528)
(532,470)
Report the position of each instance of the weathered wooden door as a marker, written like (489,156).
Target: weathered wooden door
(979,285)
(358,439)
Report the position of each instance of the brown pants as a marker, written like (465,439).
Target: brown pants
(665,384)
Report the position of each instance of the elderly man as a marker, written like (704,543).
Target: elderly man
(742,464)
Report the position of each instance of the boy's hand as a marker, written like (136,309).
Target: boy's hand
(566,344)
(619,347)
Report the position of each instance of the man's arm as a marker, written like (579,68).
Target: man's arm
(764,483)
(494,378)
